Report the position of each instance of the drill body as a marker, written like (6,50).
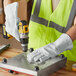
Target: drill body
(23,33)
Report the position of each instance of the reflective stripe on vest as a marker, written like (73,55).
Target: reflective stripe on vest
(42,21)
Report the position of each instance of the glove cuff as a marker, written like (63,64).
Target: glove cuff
(63,43)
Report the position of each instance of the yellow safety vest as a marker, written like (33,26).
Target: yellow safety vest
(46,26)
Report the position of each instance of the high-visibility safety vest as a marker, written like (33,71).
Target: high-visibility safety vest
(47,25)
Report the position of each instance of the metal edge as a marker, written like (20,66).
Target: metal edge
(53,68)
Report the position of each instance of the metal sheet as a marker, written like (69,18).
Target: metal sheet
(20,64)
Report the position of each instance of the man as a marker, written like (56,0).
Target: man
(51,30)
(48,39)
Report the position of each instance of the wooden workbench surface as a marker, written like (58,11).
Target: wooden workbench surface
(66,71)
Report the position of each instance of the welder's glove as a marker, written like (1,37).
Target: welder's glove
(51,50)
(12,19)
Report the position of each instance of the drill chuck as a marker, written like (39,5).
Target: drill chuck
(24,47)
(24,44)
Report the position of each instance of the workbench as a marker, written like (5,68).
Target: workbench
(66,71)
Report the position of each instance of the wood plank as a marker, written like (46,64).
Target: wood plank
(66,71)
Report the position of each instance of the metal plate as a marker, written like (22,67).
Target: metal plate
(20,64)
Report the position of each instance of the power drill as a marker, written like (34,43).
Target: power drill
(23,33)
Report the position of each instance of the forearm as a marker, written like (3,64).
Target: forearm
(72,32)
(6,2)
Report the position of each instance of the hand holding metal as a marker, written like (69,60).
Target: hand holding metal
(51,50)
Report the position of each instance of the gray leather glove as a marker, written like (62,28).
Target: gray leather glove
(12,19)
(51,50)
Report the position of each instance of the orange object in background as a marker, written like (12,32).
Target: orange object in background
(74,67)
